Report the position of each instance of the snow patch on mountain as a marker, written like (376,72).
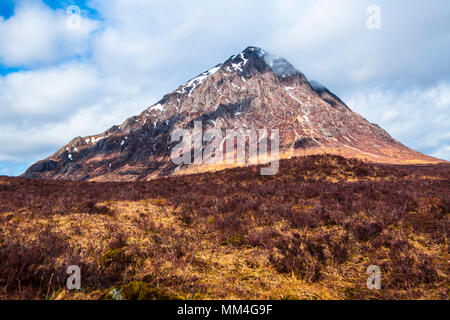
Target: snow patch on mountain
(197,81)
(158,107)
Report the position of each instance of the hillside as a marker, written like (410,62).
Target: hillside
(251,90)
(309,232)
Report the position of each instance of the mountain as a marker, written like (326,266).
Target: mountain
(252,89)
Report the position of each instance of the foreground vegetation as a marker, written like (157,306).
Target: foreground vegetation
(309,232)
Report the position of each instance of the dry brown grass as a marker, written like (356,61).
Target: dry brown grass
(309,232)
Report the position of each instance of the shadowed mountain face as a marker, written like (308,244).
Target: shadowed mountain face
(252,89)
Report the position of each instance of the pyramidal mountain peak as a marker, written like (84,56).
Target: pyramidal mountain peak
(256,59)
(251,89)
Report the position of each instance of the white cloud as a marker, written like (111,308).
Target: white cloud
(442,152)
(174,38)
(44,109)
(36,34)
(48,94)
(41,139)
(418,117)
(330,42)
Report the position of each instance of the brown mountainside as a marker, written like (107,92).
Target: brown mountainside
(252,89)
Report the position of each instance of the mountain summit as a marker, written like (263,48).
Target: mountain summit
(252,89)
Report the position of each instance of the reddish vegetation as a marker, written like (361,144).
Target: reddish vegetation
(335,213)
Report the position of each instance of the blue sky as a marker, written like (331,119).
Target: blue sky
(57,82)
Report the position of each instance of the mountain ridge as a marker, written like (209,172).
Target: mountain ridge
(251,89)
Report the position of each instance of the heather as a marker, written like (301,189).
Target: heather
(309,232)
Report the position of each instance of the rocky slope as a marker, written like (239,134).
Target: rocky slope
(252,89)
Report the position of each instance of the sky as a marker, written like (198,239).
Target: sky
(67,74)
